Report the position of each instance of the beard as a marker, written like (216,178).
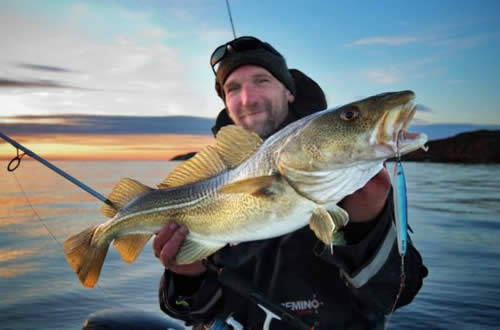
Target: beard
(272,117)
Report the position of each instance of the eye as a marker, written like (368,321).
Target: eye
(349,114)
(231,88)
(262,80)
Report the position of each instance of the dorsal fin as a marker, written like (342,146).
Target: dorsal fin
(122,193)
(204,164)
(235,144)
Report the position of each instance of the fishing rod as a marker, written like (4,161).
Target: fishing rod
(230,18)
(16,161)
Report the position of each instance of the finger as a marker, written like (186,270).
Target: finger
(170,249)
(163,237)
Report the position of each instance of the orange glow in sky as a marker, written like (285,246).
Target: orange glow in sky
(107,147)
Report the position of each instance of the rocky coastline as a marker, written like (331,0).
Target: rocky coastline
(477,147)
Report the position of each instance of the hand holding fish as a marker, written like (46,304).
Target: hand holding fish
(366,203)
(167,243)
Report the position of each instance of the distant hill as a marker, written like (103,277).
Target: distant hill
(470,148)
(441,131)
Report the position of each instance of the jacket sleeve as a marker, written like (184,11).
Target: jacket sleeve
(370,263)
(191,299)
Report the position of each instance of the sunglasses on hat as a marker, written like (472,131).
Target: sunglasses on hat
(240,44)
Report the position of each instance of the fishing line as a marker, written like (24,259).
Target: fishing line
(401,284)
(16,162)
(33,209)
(43,223)
(400,291)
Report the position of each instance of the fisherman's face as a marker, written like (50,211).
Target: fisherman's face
(256,100)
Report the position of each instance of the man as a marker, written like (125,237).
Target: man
(353,288)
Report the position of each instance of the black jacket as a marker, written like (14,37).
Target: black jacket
(353,288)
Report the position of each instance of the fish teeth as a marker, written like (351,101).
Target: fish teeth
(409,109)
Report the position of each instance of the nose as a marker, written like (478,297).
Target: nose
(248,95)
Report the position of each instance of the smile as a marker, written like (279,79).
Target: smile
(251,114)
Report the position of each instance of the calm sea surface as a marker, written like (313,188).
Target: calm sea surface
(454,212)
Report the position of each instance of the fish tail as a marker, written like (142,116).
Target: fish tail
(85,256)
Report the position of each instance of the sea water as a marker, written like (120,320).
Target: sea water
(453,211)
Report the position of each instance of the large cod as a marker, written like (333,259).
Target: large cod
(244,189)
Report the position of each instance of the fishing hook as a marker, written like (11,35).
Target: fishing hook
(398,151)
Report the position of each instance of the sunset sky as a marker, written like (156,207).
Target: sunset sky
(150,58)
(108,147)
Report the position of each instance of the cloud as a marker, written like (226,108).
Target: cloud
(43,67)
(423,108)
(10,83)
(152,32)
(113,125)
(380,76)
(436,39)
(121,74)
(403,71)
(418,121)
(387,41)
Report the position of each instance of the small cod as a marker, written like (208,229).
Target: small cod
(243,188)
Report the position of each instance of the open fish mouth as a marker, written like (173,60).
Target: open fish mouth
(393,135)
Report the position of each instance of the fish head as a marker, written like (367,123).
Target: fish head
(368,130)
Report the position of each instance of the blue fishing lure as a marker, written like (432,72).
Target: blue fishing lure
(400,207)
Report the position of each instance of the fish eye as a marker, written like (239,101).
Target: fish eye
(349,114)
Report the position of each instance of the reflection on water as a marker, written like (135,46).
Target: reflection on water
(39,291)
(9,254)
(453,210)
(15,270)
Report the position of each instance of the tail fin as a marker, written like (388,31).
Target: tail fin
(85,258)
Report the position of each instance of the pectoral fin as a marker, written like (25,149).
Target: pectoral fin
(258,186)
(324,224)
(130,246)
(192,251)
(339,216)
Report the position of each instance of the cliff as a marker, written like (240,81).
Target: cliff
(470,148)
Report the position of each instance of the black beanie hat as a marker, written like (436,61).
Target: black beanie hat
(273,63)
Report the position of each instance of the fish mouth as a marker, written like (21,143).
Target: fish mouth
(392,129)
